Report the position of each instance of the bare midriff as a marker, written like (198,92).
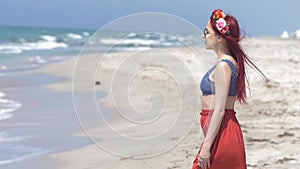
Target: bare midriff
(209,103)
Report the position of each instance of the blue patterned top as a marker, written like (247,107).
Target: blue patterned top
(208,87)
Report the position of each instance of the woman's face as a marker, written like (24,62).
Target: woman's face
(209,37)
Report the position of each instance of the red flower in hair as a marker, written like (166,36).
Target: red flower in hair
(218,13)
(221,24)
(225,30)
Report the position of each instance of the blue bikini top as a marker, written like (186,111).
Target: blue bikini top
(208,87)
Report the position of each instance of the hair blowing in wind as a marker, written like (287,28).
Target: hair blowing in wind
(233,44)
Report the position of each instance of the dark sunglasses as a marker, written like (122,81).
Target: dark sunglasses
(205,32)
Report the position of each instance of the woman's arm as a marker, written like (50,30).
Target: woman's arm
(222,76)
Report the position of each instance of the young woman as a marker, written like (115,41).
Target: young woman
(223,84)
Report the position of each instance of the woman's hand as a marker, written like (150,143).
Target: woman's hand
(204,158)
(204,163)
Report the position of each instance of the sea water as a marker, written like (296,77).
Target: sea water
(25,48)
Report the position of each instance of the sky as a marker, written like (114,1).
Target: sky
(256,17)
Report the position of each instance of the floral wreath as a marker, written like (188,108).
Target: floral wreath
(219,17)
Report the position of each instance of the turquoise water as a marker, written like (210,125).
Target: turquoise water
(24,46)
(27,108)
(21,49)
(30,47)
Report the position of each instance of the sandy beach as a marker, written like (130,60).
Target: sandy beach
(168,135)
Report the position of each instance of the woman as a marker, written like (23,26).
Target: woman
(223,84)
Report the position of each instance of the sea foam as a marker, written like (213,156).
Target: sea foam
(7,107)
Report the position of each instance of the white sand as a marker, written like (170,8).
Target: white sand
(270,120)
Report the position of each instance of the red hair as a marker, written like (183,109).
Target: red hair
(233,44)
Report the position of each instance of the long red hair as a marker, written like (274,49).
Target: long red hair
(233,44)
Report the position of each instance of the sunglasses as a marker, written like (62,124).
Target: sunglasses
(205,32)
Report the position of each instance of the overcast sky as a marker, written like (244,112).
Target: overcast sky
(257,17)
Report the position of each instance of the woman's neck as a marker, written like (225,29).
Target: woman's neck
(222,52)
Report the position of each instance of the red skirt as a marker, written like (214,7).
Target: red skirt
(228,150)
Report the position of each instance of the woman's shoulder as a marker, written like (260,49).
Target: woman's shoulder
(221,66)
(227,64)
(229,60)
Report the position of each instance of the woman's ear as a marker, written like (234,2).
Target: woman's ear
(219,38)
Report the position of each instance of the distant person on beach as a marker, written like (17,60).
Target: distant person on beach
(223,84)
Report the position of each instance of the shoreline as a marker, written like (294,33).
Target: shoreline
(41,126)
(100,155)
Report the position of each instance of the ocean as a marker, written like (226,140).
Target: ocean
(23,49)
